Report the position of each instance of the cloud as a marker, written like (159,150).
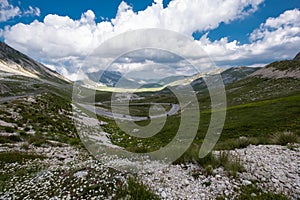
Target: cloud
(184,16)
(59,37)
(9,11)
(32,11)
(60,40)
(275,39)
(285,22)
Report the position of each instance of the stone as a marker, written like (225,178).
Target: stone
(246,182)
(163,194)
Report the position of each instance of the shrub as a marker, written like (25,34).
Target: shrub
(285,138)
(231,163)
(9,129)
(37,140)
(135,190)
(208,170)
(11,157)
(248,191)
(9,139)
(26,129)
(243,142)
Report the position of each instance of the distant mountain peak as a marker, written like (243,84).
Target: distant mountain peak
(297,57)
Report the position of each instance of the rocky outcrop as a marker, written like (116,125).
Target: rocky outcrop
(281,69)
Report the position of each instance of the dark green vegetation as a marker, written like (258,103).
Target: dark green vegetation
(285,138)
(46,117)
(11,157)
(134,190)
(251,192)
(141,145)
(229,162)
(16,157)
(135,110)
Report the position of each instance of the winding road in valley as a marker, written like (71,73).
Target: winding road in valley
(105,113)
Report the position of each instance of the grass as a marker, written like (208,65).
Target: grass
(231,163)
(255,122)
(48,116)
(285,65)
(245,124)
(257,108)
(285,138)
(12,157)
(136,110)
(9,139)
(16,157)
(135,190)
(140,145)
(251,192)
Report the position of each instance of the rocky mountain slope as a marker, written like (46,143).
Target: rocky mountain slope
(281,69)
(12,61)
(297,57)
(21,75)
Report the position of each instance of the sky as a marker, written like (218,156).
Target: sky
(61,34)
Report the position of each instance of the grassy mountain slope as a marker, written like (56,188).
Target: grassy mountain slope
(258,107)
(34,101)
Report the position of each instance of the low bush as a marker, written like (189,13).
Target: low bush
(251,192)
(285,138)
(135,190)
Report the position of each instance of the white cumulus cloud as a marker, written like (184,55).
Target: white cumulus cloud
(276,39)
(60,40)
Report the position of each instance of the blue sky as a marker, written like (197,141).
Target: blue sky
(245,29)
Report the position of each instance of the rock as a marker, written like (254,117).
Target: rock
(163,194)
(274,180)
(218,176)
(253,195)
(246,182)
(186,182)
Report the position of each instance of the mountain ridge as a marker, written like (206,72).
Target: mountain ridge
(21,64)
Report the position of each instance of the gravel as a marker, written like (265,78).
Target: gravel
(70,173)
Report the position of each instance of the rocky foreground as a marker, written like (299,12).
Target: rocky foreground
(69,173)
(272,168)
